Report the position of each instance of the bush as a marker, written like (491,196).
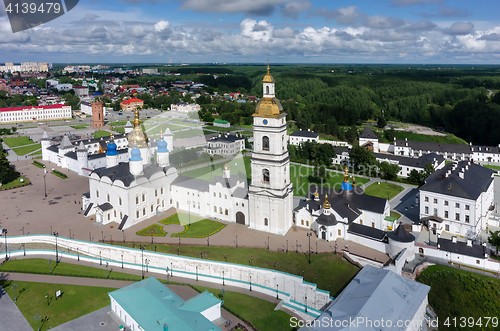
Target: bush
(39,164)
(59,174)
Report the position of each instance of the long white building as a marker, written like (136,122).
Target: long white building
(35,113)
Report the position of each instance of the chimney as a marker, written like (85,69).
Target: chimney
(454,239)
(469,242)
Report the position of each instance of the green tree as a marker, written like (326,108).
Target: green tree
(381,122)
(494,240)
(389,170)
(362,159)
(6,171)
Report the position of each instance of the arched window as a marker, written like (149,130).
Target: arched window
(265,143)
(226,212)
(120,201)
(266,222)
(340,232)
(267,89)
(265,176)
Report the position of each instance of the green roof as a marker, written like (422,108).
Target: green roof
(151,304)
(221,121)
(390,218)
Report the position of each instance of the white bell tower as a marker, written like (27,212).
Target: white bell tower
(270,194)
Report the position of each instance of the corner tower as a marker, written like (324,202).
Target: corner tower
(97,114)
(270,194)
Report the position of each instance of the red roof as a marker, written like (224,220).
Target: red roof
(55,106)
(79,86)
(132,100)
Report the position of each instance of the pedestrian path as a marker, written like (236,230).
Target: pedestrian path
(10,316)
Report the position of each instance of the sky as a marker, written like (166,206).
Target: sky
(250,31)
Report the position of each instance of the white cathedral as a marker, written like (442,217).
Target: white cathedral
(130,192)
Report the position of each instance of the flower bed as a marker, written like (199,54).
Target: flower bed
(154,230)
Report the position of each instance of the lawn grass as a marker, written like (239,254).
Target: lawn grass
(154,230)
(77,127)
(75,301)
(188,133)
(494,167)
(200,229)
(219,129)
(411,136)
(118,123)
(262,314)
(237,167)
(447,162)
(27,149)
(299,177)
(119,130)
(383,190)
(458,293)
(328,270)
(14,183)
(181,218)
(101,133)
(18,141)
(395,214)
(155,128)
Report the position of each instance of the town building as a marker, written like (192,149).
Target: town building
(150,71)
(86,108)
(408,164)
(228,144)
(150,305)
(81,90)
(457,199)
(131,104)
(185,107)
(26,67)
(343,212)
(298,137)
(369,140)
(221,123)
(35,113)
(373,296)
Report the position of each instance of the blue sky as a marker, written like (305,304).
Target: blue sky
(300,31)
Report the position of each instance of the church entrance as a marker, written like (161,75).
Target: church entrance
(240,218)
(323,235)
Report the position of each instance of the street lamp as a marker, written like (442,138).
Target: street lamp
(37,318)
(189,206)
(4,231)
(167,274)
(100,259)
(122,261)
(277,292)
(14,288)
(267,243)
(107,271)
(56,234)
(309,235)
(142,247)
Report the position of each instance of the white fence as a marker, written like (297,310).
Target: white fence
(295,293)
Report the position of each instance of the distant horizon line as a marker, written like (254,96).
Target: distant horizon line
(259,63)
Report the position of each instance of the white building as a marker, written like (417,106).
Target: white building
(408,164)
(374,298)
(369,140)
(35,113)
(63,87)
(150,305)
(227,144)
(185,107)
(298,137)
(150,71)
(86,108)
(336,213)
(457,199)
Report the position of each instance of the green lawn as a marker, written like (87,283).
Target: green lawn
(492,167)
(62,269)
(383,190)
(236,166)
(329,271)
(219,129)
(119,130)
(18,141)
(181,218)
(188,133)
(75,301)
(14,183)
(200,229)
(299,176)
(119,123)
(458,293)
(262,315)
(447,162)
(411,136)
(395,214)
(152,230)
(27,149)
(100,133)
(79,127)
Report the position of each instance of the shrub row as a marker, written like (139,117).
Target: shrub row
(59,174)
(39,164)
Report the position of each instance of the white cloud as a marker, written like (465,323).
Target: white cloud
(257,30)
(459,28)
(161,25)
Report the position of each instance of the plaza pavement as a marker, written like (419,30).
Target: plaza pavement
(10,316)
(27,208)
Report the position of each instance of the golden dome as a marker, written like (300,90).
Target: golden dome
(268,78)
(268,107)
(226,167)
(316,194)
(137,138)
(346,174)
(326,204)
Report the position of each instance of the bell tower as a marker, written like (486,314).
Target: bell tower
(270,193)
